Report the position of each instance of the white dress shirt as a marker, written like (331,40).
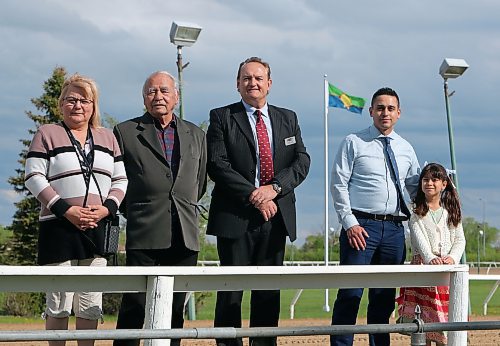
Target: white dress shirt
(361,177)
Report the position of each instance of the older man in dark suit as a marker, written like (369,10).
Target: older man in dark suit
(256,158)
(165,160)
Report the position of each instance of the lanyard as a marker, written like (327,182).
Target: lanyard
(86,161)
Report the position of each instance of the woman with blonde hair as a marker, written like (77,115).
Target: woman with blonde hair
(75,170)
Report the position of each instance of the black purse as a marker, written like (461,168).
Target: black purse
(106,236)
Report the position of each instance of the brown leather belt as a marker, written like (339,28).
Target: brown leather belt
(378,217)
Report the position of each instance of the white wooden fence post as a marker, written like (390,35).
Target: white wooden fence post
(458,308)
(159,295)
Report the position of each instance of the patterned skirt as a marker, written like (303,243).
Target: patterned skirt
(433,302)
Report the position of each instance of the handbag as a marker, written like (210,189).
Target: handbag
(106,235)
(111,236)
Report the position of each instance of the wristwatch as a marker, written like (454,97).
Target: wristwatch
(276,188)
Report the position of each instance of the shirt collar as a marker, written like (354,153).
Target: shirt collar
(172,123)
(250,110)
(375,133)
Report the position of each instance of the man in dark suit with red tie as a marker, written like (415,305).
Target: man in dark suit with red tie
(256,158)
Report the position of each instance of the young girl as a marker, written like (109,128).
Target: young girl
(437,237)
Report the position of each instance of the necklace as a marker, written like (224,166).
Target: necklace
(436,215)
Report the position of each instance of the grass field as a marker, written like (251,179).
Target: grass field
(311,302)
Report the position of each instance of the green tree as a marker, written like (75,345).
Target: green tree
(21,249)
(5,235)
(23,244)
(208,250)
(488,247)
(313,249)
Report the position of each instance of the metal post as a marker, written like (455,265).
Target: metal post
(179,73)
(191,302)
(418,337)
(479,250)
(326,307)
(450,135)
(484,227)
(180,67)
(463,260)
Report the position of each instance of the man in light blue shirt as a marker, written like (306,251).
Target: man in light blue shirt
(370,205)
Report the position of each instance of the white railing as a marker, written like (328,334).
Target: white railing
(159,283)
(495,278)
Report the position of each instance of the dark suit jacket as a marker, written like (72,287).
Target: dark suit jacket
(151,190)
(231,165)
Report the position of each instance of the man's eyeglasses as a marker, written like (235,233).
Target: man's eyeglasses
(72,101)
(162,90)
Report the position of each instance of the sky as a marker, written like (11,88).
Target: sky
(360,45)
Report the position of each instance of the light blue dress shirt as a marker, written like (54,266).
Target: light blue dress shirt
(361,177)
(252,118)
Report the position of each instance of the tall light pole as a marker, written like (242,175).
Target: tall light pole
(326,307)
(183,34)
(479,235)
(484,225)
(452,68)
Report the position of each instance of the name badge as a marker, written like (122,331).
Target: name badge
(290,141)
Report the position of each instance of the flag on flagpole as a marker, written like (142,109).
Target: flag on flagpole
(338,98)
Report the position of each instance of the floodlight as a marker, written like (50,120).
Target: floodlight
(453,68)
(184,34)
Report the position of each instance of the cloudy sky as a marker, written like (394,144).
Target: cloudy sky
(360,45)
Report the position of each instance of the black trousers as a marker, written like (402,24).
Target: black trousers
(263,246)
(131,315)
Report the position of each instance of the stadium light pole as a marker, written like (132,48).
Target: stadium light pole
(484,225)
(326,307)
(183,34)
(452,68)
(479,235)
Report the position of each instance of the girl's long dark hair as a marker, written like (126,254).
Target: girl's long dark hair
(449,197)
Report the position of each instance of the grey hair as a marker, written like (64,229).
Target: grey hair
(176,86)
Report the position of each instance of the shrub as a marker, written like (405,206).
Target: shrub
(24,304)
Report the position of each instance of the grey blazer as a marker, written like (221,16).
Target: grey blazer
(151,190)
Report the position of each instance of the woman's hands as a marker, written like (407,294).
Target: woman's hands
(86,217)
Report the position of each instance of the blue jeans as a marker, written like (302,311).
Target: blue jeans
(385,245)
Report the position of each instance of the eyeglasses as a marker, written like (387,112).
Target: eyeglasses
(162,90)
(72,101)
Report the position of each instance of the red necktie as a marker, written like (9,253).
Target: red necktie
(265,155)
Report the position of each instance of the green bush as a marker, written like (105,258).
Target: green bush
(111,301)
(23,304)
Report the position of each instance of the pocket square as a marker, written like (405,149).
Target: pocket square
(290,140)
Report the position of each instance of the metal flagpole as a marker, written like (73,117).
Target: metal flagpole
(326,307)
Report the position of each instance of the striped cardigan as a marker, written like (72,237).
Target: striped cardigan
(53,175)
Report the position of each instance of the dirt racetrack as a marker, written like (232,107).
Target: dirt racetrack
(483,338)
